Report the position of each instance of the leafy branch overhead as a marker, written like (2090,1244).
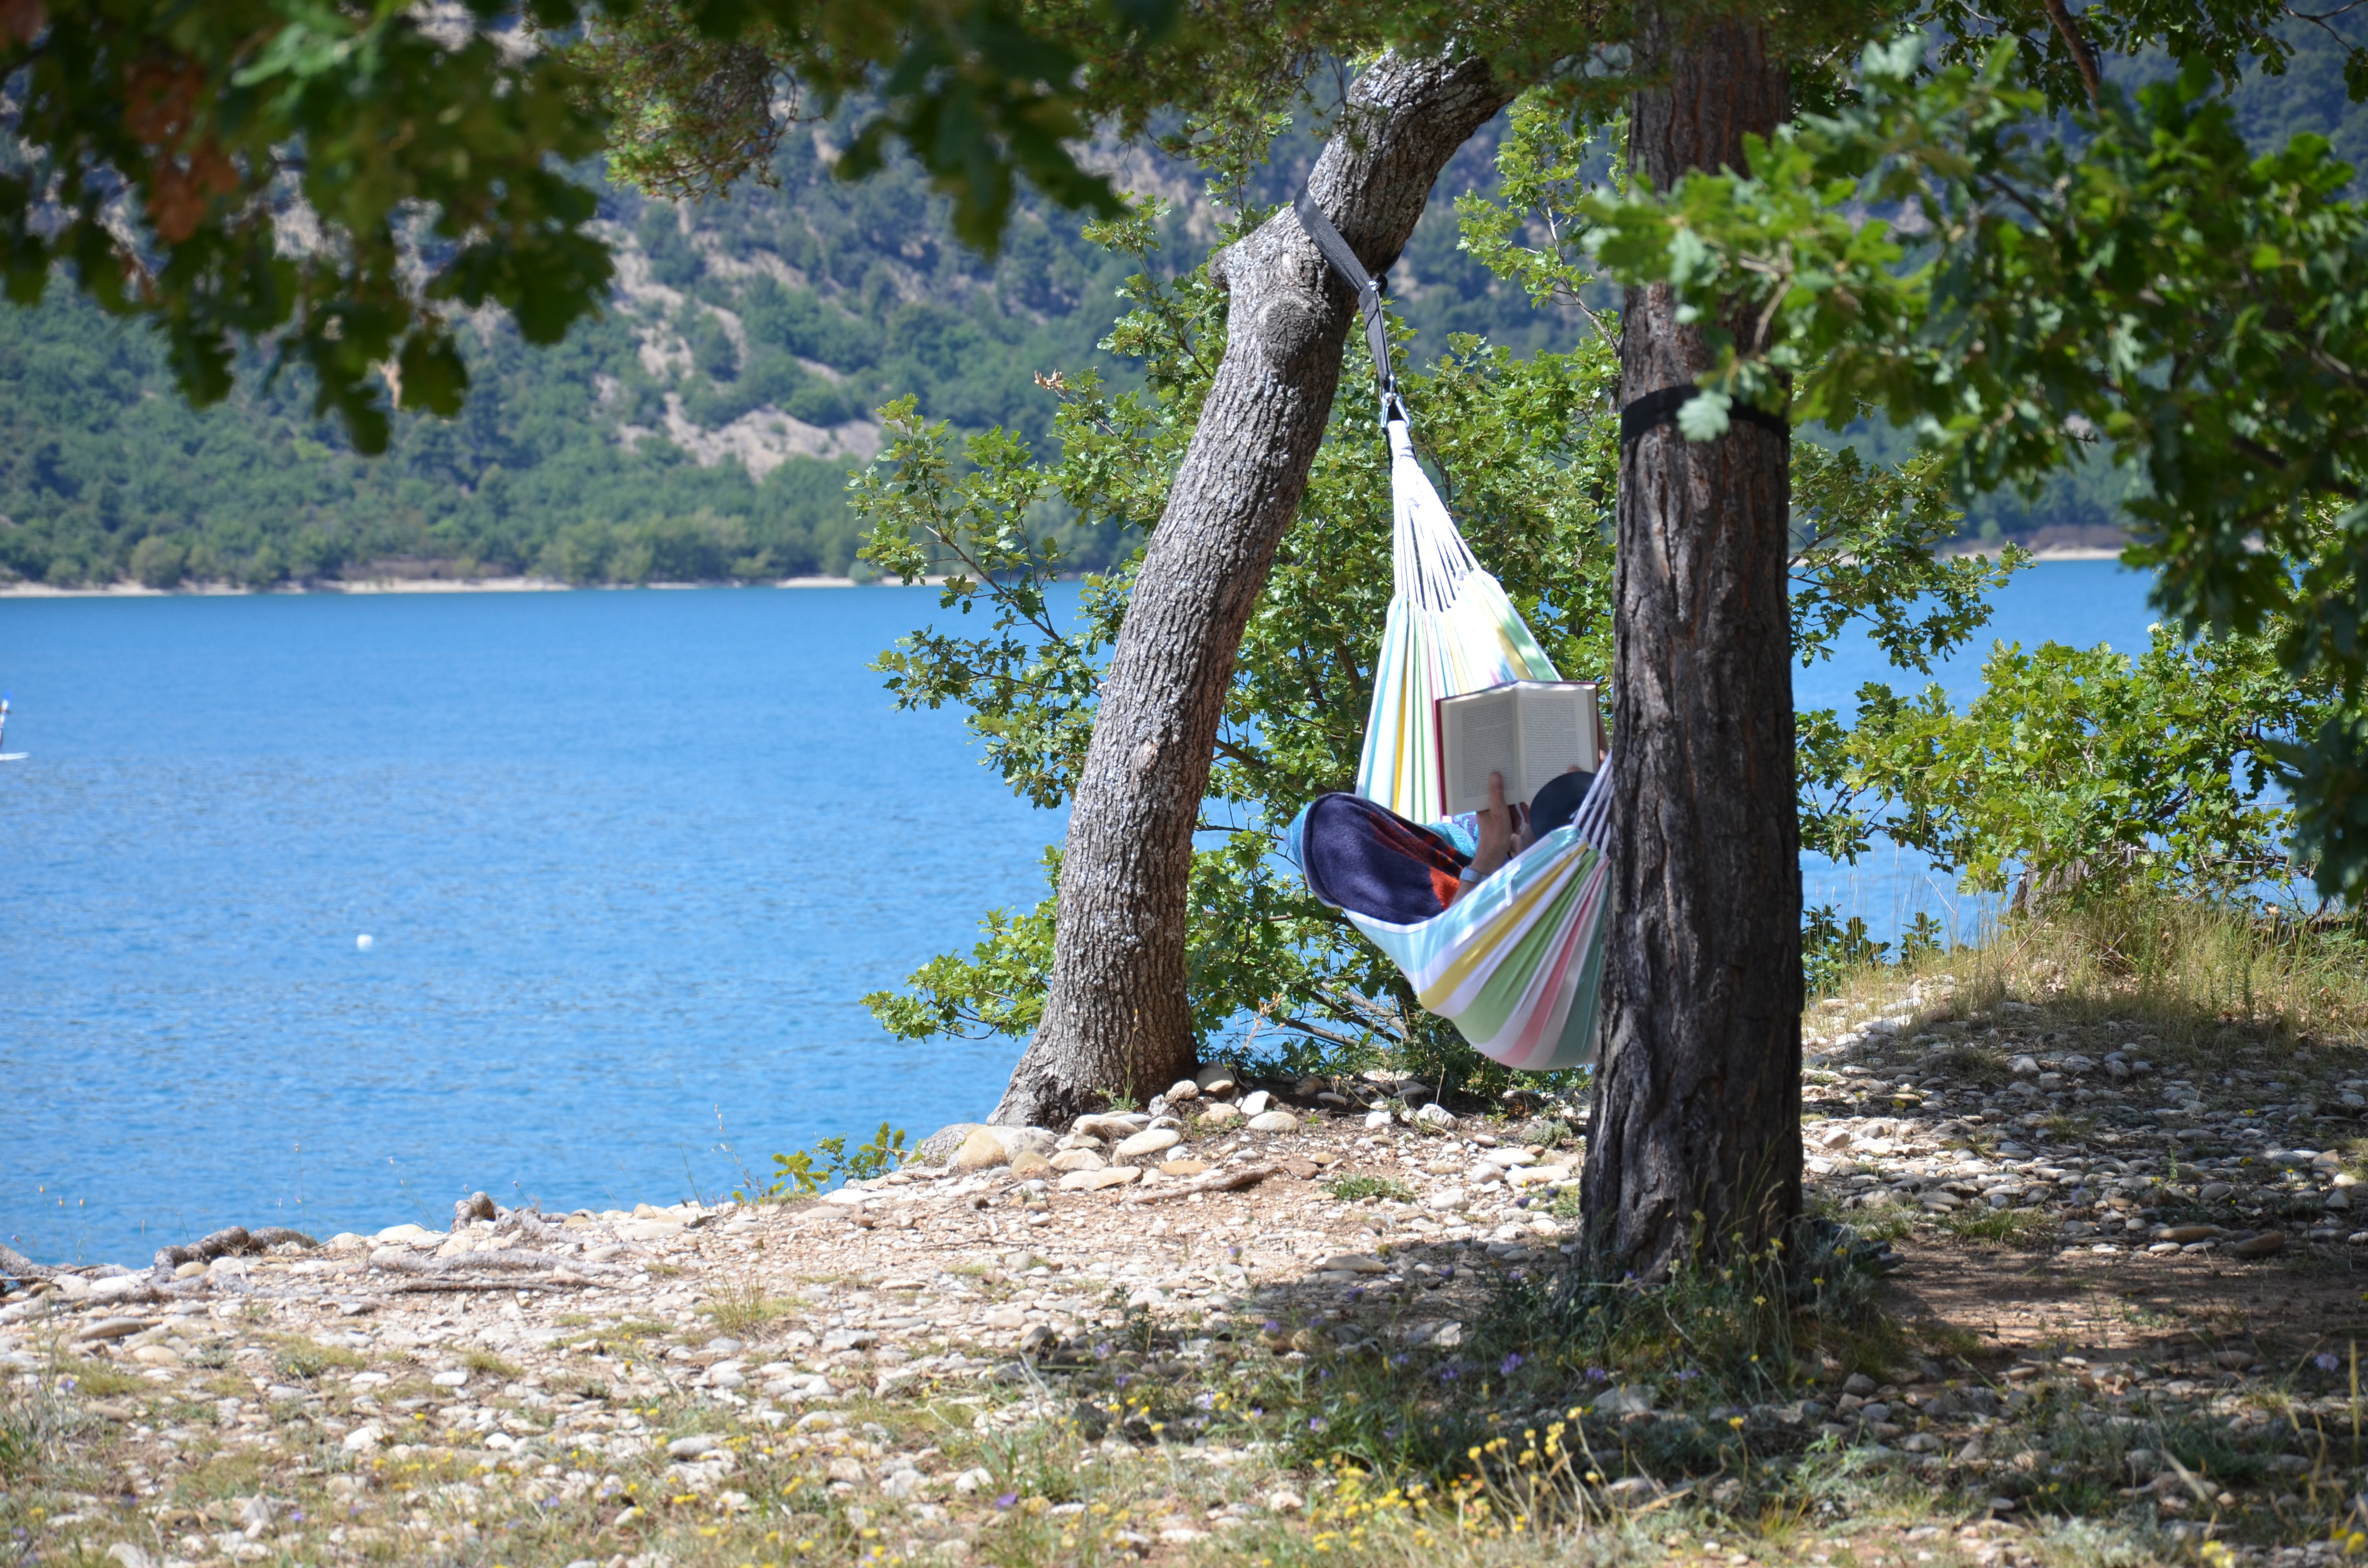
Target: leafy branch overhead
(2153,289)
(342,182)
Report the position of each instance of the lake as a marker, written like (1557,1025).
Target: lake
(627,861)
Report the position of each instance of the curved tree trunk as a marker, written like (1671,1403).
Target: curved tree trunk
(1698,1087)
(1116,1020)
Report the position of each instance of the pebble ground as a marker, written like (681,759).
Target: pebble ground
(2112,1249)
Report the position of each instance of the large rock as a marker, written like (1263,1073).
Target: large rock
(942,1146)
(1219,1114)
(979,1152)
(1150,1141)
(1216,1078)
(939,1146)
(1274,1121)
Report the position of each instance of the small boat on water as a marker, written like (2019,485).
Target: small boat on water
(8,755)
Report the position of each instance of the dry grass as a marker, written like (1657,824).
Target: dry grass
(2207,981)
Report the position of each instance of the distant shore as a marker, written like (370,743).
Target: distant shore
(553,586)
(395,585)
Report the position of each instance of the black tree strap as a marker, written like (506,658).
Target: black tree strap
(1369,296)
(1661,407)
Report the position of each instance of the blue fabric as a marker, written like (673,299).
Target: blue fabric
(1367,859)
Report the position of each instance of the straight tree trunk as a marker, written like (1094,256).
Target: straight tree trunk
(1697,1124)
(1116,1020)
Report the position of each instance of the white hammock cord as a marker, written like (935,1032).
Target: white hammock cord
(1429,560)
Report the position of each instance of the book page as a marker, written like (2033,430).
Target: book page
(1477,738)
(1557,732)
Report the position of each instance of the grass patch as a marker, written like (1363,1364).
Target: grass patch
(1998,1227)
(491,1365)
(1356,1188)
(301,1357)
(742,1309)
(97,1380)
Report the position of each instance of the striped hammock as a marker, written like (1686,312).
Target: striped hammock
(1515,962)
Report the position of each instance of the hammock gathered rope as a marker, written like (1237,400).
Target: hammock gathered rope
(1516,961)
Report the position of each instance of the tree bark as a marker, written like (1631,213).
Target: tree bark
(1697,1125)
(1116,1020)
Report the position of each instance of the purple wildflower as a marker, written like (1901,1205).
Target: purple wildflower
(1510,1365)
(1007,1499)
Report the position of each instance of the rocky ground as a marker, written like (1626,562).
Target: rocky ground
(2119,1324)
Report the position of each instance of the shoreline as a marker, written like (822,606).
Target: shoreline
(365,587)
(406,585)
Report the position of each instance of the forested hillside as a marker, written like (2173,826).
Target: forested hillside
(703,428)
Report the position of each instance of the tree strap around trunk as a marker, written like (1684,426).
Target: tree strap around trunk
(1661,407)
(1369,298)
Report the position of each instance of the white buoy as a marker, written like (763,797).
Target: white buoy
(364,941)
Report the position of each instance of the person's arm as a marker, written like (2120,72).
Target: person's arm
(1496,839)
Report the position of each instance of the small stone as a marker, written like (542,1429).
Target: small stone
(1283,1499)
(1626,1399)
(1445,1198)
(980,1152)
(457,1378)
(1094,1181)
(1219,1114)
(1632,1491)
(1028,1165)
(1183,1090)
(2214,1191)
(1274,1121)
(1860,1384)
(2025,1067)
(1377,1119)
(112,1328)
(1435,1115)
(189,1270)
(1353,1262)
(365,1438)
(1078,1160)
(2267,1244)
(973,1481)
(1151,1141)
(1216,1078)
(1183,1167)
(1254,1102)
(125,1555)
(2183,1235)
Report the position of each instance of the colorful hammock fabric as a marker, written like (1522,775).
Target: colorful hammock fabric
(1517,962)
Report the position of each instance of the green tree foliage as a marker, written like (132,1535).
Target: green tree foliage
(344,181)
(1525,448)
(2153,290)
(2081,774)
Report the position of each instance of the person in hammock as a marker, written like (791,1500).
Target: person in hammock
(1362,857)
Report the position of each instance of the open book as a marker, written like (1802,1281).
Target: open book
(1529,730)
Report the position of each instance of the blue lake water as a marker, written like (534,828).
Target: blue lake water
(628,861)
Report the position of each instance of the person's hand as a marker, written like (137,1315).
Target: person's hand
(1496,831)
